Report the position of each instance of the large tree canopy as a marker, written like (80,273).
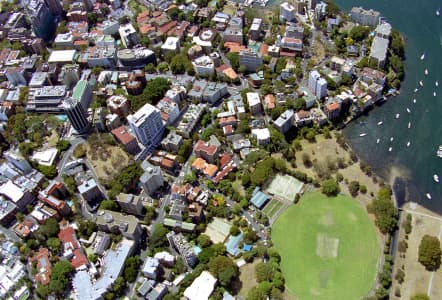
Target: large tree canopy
(430,252)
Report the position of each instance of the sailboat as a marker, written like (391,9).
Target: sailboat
(428,196)
(436,178)
(397,116)
(377,141)
(409,125)
(436,83)
(391,139)
(426,72)
(414,100)
(421,83)
(408,144)
(408,110)
(423,56)
(434,94)
(389,149)
(380,123)
(438,12)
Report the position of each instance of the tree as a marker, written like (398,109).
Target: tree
(150,214)
(62,145)
(256,294)
(132,265)
(330,188)
(43,291)
(86,228)
(384,211)
(430,252)
(264,272)
(92,19)
(242,69)
(204,241)
(353,188)
(234,230)
(180,266)
(150,68)
(152,93)
(109,205)
(50,228)
(224,269)
(54,244)
(79,151)
(158,238)
(60,276)
(234,60)
(180,63)
(48,171)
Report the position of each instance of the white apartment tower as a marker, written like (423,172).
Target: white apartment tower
(317,84)
(147,126)
(287,12)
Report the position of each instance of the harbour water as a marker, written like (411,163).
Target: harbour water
(414,165)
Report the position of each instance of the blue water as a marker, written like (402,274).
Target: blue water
(62,118)
(417,163)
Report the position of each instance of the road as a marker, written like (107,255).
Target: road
(10,234)
(68,154)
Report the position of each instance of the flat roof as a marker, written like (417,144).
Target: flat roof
(379,48)
(79,89)
(46,157)
(113,264)
(259,198)
(202,287)
(58,56)
(12,191)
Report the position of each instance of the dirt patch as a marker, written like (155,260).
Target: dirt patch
(108,161)
(326,247)
(417,279)
(327,219)
(248,278)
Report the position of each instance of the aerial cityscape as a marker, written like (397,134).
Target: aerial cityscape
(222,149)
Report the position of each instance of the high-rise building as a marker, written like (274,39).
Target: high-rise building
(55,7)
(128,34)
(251,60)
(70,74)
(312,4)
(317,84)
(82,92)
(43,22)
(286,12)
(364,17)
(147,125)
(77,115)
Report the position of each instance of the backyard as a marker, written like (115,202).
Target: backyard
(328,246)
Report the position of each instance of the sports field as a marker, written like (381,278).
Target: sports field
(285,186)
(328,246)
(272,208)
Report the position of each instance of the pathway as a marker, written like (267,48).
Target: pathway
(421,214)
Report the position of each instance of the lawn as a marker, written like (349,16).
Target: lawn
(332,250)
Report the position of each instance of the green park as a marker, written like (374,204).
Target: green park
(329,248)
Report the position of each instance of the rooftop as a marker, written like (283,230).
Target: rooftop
(60,56)
(113,264)
(202,287)
(122,135)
